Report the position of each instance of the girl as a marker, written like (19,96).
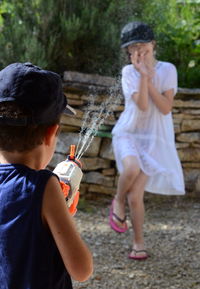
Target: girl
(143,137)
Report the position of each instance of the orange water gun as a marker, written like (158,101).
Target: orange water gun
(70,175)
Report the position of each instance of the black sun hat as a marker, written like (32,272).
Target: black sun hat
(134,32)
(40,91)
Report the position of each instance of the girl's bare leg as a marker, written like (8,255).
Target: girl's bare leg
(136,205)
(125,182)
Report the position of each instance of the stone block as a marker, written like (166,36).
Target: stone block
(189,91)
(119,108)
(195,145)
(106,151)
(184,115)
(177,120)
(93,97)
(71,120)
(70,128)
(195,112)
(76,102)
(93,149)
(83,189)
(67,139)
(190,125)
(92,164)
(70,95)
(189,154)
(188,137)
(102,189)
(79,113)
(109,172)
(89,79)
(98,178)
(191,165)
(187,103)
(182,145)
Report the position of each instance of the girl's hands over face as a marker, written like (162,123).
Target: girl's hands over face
(138,60)
(142,58)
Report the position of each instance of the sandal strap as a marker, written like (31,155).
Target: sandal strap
(118,218)
(139,251)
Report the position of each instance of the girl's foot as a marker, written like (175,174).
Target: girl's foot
(138,253)
(117,218)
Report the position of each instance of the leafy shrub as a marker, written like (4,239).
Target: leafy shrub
(177,26)
(84,35)
(73,35)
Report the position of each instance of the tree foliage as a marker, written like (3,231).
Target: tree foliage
(83,35)
(78,35)
(177,26)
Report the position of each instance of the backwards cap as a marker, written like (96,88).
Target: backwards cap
(40,91)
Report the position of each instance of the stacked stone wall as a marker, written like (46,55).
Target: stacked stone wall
(100,173)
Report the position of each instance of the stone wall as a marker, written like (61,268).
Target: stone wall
(100,174)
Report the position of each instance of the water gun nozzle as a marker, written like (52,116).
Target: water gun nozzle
(72,152)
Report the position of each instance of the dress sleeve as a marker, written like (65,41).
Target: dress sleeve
(170,78)
(130,82)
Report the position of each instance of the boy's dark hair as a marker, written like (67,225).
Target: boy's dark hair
(20,138)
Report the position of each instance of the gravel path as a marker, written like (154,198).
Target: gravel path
(172,234)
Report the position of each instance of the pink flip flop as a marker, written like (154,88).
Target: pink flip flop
(139,258)
(113,225)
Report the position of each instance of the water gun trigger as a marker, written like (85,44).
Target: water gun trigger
(66,191)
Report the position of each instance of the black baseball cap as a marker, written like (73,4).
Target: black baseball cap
(136,32)
(37,90)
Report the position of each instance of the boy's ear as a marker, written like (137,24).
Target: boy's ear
(51,133)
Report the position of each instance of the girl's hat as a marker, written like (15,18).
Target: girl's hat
(134,32)
(37,90)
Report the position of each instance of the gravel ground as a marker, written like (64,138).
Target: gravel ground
(172,234)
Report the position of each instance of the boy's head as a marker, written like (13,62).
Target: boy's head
(31,100)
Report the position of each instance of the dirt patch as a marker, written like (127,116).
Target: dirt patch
(172,234)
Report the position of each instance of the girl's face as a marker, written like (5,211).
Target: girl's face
(147,49)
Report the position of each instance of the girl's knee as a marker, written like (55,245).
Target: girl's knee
(135,200)
(131,172)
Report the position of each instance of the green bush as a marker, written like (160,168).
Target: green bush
(73,35)
(177,27)
(83,35)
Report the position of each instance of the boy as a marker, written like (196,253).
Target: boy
(39,245)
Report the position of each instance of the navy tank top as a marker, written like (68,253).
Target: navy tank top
(29,258)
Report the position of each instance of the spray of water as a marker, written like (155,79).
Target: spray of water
(93,119)
(86,118)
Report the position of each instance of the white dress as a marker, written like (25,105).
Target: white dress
(149,135)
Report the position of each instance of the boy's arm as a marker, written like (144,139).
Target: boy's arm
(74,252)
